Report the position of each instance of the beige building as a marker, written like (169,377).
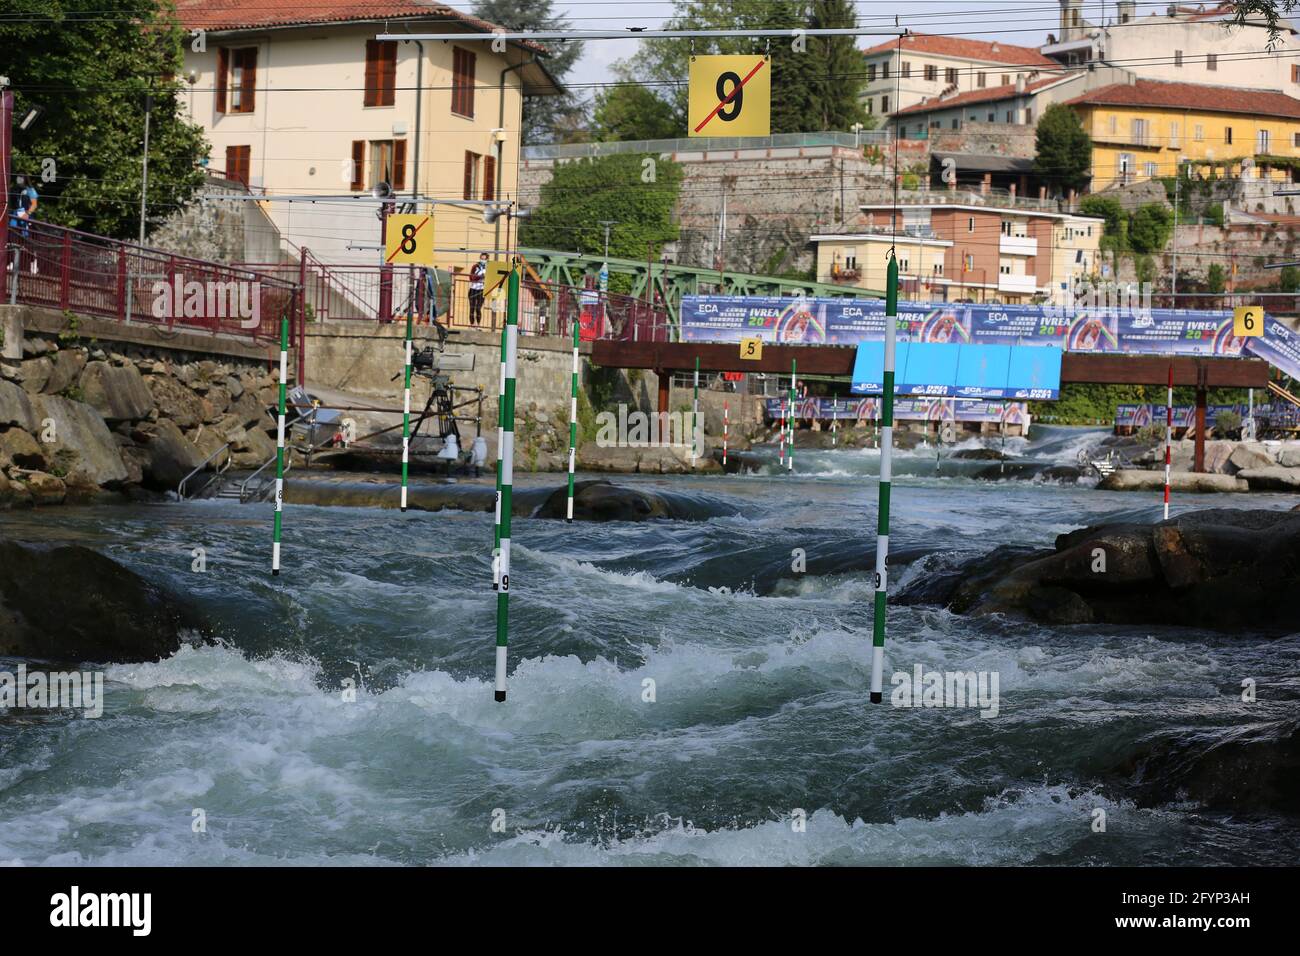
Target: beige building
(303,100)
(926,66)
(861,260)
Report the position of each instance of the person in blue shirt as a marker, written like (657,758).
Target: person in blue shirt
(24,205)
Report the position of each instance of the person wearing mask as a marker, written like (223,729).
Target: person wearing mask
(476,276)
(24,205)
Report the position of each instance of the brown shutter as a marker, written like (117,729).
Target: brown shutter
(469,83)
(399,164)
(489,177)
(388,73)
(372,73)
(470,160)
(238,163)
(358,164)
(248,86)
(223,71)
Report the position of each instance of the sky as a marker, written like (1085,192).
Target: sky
(1025,22)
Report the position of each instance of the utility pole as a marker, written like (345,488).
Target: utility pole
(604,268)
(1173,279)
(144,165)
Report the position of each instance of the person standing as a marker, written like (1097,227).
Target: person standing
(25,201)
(476,276)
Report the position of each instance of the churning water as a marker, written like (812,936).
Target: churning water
(759,678)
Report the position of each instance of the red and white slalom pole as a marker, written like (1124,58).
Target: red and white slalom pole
(1169,434)
(726,429)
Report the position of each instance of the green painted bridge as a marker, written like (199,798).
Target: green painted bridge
(671,282)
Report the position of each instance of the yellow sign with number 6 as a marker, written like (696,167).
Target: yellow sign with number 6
(1248,320)
(408,240)
(751,349)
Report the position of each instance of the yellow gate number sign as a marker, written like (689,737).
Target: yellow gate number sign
(1248,320)
(408,240)
(730,96)
(494,280)
(751,349)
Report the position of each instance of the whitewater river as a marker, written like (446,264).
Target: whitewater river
(759,681)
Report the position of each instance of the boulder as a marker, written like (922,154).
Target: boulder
(253,448)
(34,346)
(116,392)
(244,411)
(67,368)
(14,494)
(16,407)
(1244,457)
(167,455)
(234,386)
(207,441)
(21,449)
(44,489)
(34,374)
(1179,481)
(600,500)
(1223,569)
(71,604)
(79,429)
(177,403)
(1289,457)
(1271,478)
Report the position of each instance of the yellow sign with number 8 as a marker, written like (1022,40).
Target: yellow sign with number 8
(408,240)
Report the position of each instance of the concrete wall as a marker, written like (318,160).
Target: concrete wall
(234,230)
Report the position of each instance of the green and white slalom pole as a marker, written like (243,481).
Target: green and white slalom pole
(573,422)
(406,400)
(886,455)
(279,444)
(794,368)
(507,479)
(695,410)
(501,411)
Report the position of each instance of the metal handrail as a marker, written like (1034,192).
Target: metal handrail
(244,494)
(180,488)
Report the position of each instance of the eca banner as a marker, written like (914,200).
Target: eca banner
(1140,416)
(908,409)
(818,321)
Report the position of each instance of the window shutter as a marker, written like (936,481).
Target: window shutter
(489,177)
(388,73)
(372,73)
(399,164)
(469,83)
(223,71)
(237,163)
(358,164)
(470,160)
(248,86)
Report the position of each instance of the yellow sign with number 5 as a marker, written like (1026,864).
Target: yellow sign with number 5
(751,349)
(1248,320)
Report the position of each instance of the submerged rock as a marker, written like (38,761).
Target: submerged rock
(1222,569)
(70,603)
(598,500)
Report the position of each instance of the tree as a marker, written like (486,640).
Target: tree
(1289,279)
(1115,231)
(543,115)
(1150,228)
(629,110)
(88,65)
(637,192)
(1063,155)
(1272,12)
(1216,279)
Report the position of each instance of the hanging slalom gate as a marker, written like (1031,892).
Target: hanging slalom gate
(506,477)
(573,423)
(1169,435)
(882,516)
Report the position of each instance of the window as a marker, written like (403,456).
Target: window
(1010,116)
(1227,135)
(1174,141)
(902,264)
(1126,163)
(1006,227)
(462,82)
(970,224)
(236,79)
(1178,58)
(237,162)
(931,72)
(907,69)
(1138,131)
(472,180)
(489,177)
(358,165)
(388,163)
(1198,133)
(1004,268)
(1029,117)
(884,104)
(981,80)
(950,75)
(1114,125)
(1211,61)
(884,70)
(956,122)
(381,72)
(968,263)
(871,108)
(992,116)
(938,268)
(871,73)
(1262,141)
(1295,140)
(1006,79)
(1151,170)
(1295,73)
(851,259)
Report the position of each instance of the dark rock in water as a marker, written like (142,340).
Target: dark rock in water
(1222,569)
(1247,769)
(1008,470)
(942,580)
(599,500)
(69,603)
(980,454)
(739,461)
(1064,473)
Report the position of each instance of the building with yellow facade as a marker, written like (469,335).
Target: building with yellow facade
(1146,129)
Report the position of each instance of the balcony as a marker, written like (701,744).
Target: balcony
(1017,283)
(1018,245)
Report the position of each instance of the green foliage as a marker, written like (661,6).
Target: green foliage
(1289,279)
(544,116)
(1272,12)
(629,111)
(1214,215)
(88,64)
(1150,227)
(1216,278)
(1115,231)
(1145,267)
(71,332)
(583,192)
(1063,153)
(1226,423)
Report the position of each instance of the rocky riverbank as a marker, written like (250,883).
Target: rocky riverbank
(81,422)
(1229,466)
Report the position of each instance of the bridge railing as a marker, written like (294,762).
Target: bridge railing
(59,268)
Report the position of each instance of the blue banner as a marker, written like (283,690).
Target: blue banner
(1279,415)
(813,321)
(864,410)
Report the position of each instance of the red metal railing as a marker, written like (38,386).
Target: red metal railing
(55,267)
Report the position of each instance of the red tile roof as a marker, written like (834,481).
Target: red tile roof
(1192,96)
(989,51)
(989,95)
